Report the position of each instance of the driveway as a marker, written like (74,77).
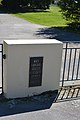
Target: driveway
(12,27)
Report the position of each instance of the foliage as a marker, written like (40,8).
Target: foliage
(70,10)
(10,3)
(29,4)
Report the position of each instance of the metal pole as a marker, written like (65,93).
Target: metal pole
(2,68)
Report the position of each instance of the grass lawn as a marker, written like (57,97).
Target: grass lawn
(51,17)
(0,1)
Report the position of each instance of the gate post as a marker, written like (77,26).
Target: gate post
(64,64)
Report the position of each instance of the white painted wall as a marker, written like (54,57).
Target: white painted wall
(16,66)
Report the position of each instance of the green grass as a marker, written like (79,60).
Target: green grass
(0,1)
(51,17)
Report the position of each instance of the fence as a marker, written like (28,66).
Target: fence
(70,72)
(1,68)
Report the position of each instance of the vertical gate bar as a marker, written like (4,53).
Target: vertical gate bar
(74,64)
(78,66)
(69,63)
(2,68)
(64,64)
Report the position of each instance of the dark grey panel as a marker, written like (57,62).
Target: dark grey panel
(35,71)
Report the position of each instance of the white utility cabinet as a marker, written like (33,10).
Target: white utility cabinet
(31,66)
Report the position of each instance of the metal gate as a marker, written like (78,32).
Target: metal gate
(1,68)
(70,72)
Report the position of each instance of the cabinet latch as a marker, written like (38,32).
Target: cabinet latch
(4,56)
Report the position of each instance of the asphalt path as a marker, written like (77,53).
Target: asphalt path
(12,27)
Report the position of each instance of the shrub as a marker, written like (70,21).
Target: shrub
(30,4)
(10,3)
(70,10)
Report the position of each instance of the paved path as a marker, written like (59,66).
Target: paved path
(12,27)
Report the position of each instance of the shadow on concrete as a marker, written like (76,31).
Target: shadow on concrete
(59,33)
(22,105)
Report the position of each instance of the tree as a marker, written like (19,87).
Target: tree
(29,4)
(10,3)
(71,11)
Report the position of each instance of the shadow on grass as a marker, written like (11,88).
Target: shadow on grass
(29,104)
(60,33)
